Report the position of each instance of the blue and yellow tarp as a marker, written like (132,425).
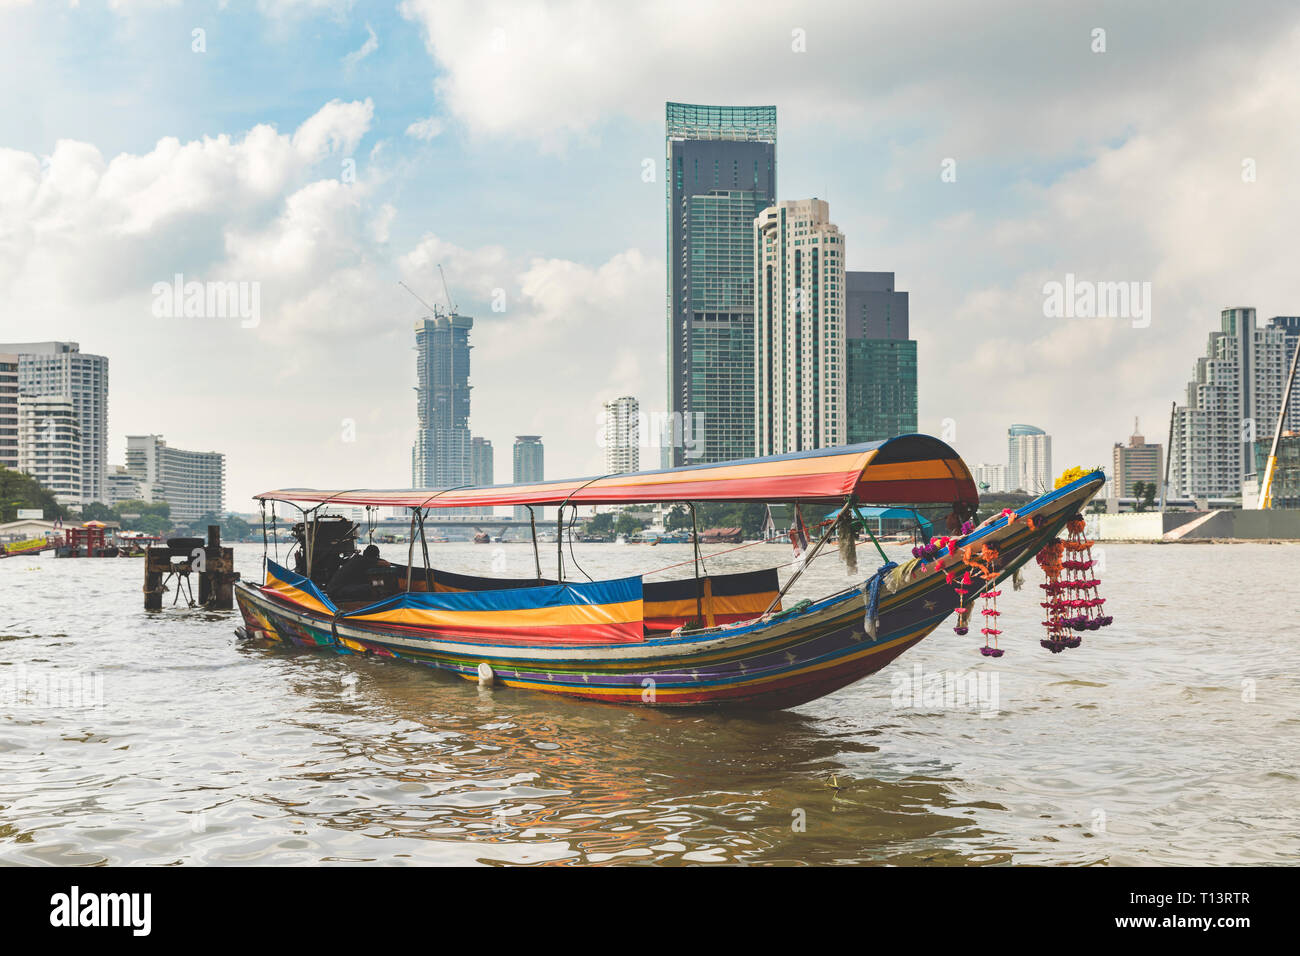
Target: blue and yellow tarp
(294,587)
(600,612)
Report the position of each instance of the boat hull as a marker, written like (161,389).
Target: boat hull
(789,659)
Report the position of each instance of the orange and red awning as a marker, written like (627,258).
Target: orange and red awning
(910,469)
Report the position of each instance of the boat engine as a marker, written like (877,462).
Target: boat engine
(333,541)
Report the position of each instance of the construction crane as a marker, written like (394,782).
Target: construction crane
(1266,486)
(432,308)
(446,291)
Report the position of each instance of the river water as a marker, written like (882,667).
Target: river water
(1168,738)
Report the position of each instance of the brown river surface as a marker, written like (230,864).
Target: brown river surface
(1169,738)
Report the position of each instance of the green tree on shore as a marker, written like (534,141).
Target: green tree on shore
(626,524)
(749,518)
(1145,494)
(602,524)
(18,490)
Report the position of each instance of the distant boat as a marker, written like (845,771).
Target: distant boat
(674,537)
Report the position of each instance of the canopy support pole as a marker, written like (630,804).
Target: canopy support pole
(559,544)
(830,527)
(537,555)
(424,548)
(559,529)
(867,528)
(309,536)
(410,552)
(264,545)
(695,544)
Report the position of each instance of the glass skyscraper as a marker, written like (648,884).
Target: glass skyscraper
(482,463)
(441,455)
(529,466)
(721,173)
(879,358)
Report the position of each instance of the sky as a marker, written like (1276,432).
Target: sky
(320,151)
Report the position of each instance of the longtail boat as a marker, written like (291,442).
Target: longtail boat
(710,640)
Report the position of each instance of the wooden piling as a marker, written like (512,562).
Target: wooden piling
(216,579)
(157,565)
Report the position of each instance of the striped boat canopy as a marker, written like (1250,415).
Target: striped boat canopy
(909,469)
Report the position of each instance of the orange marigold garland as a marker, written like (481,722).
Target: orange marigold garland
(962,627)
(985,564)
(1072,603)
(990,630)
(1058,632)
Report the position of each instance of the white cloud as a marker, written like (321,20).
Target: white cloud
(336,128)
(573,337)
(426,129)
(356,56)
(112,223)
(965,80)
(338,9)
(138,6)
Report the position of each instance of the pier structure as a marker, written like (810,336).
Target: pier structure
(175,561)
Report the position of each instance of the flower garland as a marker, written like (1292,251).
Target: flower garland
(1073,603)
(989,630)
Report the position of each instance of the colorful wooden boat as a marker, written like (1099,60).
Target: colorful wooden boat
(629,642)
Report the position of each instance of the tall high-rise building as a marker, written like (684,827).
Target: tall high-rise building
(529,464)
(721,173)
(482,463)
(880,359)
(62,369)
(799,330)
(622,435)
(1029,459)
(1134,462)
(9,411)
(49,445)
(193,483)
(1234,397)
(441,456)
(991,479)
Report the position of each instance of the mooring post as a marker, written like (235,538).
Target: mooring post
(211,554)
(218,575)
(157,562)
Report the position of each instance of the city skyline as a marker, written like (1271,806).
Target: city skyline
(341,188)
